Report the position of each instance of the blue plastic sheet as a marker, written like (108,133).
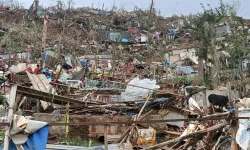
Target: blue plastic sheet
(149,103)
(36,141)
(185,69)
(46,54)
(124,40)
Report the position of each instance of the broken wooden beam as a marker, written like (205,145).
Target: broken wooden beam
(187,136)
(10,115)
(48,97)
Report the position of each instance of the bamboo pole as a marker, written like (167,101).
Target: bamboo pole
(142,108)
(10,115)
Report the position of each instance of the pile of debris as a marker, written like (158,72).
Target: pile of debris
(193,127)
(114,92)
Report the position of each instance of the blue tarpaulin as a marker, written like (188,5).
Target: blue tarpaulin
(36,141)
(46,54)
(185,69)
(124,40)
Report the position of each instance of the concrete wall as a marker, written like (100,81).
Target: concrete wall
(96,130)
(83,131)
(199,97)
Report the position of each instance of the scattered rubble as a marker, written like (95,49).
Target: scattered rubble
(101,75)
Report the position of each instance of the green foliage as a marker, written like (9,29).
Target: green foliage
(2,134)
(79,142)
(2,97)
(202,28)
(199,27)
(207,81)
(90,73)
(182,80)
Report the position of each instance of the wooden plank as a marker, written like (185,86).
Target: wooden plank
(13,93)
(46,84)
(38,85)
(105,136)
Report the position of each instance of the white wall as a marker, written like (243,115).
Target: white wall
(200,100)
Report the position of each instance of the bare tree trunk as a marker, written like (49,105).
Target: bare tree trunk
(215,55)
(151,6)
(201,73)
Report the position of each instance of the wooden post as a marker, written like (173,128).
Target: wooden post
(204,98)
(58,76)
(11,111)
(234,128)
(229,94)
(106,136)
(4,81)
(233,143)
(44,40)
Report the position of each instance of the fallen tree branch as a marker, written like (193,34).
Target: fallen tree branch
(187,136)
(219,140)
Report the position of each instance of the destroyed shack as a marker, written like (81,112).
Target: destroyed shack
(119,80)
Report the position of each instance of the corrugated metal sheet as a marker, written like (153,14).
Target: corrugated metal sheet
(125,146)
(51,59)
(92,57)
(5,55)
(115,36)
(78,75)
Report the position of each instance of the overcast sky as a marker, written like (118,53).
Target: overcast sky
(167,7)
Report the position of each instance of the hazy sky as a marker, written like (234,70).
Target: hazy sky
(167,7)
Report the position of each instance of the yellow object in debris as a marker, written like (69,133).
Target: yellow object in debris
(190,129)
(146,136)
(90,143)
(67,121)
(209,56)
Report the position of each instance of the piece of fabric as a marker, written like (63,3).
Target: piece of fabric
(36,141)
(36,71)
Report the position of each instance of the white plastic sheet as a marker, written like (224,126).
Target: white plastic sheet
(243,135)
(192,103)
(133,93)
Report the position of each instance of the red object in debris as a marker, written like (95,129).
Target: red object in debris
(1,6)
(36,70)
(29,69)
(179,72)
(133,30)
